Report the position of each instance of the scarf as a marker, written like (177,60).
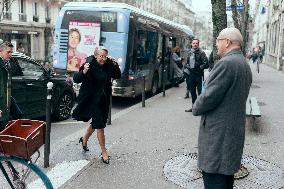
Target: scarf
(192,58)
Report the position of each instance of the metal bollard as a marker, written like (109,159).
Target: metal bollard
(48,125)
(109,112)
(163,65)
(143,92)
(163,80)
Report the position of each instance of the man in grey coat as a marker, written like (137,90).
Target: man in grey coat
(222,107)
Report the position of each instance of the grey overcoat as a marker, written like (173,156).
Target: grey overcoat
(222,105)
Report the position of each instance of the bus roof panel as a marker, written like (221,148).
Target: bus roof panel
(184,28)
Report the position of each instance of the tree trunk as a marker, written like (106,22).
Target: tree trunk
(244,26)
(241,20)
(236,15)
(219,19)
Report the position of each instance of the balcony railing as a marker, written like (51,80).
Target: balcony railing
(7,16)
(35,18)
(22,17)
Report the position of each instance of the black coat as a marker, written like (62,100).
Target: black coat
(200,63)
(95,83)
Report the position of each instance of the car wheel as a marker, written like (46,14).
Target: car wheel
(64,107)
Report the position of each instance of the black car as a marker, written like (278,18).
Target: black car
(29,88)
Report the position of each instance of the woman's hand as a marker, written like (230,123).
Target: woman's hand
(86,68)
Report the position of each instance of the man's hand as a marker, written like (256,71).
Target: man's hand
(86,68)
(113,60)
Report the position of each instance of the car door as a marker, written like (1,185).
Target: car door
(35,81)
(18,86)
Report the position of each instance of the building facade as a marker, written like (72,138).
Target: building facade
(28,24)
(203,29)
(274,48)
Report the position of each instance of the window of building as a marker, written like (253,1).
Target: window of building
(35,9)
(35,12)
(47,12)
(22,11)
(7,5)
(22,6)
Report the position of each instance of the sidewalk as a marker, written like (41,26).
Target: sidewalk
(141,141)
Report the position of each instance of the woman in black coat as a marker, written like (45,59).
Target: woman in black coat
(93,99)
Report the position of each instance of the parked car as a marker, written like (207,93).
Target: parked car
(29,88)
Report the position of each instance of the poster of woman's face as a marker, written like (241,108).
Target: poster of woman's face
(83,39)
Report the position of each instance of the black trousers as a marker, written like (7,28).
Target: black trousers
(194,82)
(217,181)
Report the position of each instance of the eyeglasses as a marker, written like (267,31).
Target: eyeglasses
(220,39)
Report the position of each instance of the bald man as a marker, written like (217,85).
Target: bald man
(222,107)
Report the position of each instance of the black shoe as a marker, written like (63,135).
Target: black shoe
(186,96)
(85,148)
(190,110)
(106,161)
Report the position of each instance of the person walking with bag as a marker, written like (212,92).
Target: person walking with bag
(177,66)
(94,95)
(222,106)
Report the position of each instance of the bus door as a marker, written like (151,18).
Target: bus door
(142,59)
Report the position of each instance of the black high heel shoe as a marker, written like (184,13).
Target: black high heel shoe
(106,161)
(85,148)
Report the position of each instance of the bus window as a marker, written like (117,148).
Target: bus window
(151,46)
(146,47)
(140,49)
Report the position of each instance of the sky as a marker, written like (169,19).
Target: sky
(201,5)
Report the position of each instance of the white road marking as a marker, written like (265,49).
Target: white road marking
(60,174)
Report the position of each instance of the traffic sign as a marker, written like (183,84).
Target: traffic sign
(235,7)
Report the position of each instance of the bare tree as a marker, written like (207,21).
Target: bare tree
(241,19)
(219,19)
(5,5)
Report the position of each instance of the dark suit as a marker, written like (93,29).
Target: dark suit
(5,93)
(95,90)
(223,109)
(194,78)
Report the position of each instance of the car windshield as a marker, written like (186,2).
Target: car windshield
(26,68)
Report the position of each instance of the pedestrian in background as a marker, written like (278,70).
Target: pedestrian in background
(177,66)
(6,49)
(210,61)
(194,70)
(222,107)
(93,100)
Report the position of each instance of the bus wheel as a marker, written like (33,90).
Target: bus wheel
(154,86)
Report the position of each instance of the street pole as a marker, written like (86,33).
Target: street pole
(109,112)
(163,65)
(48,124)
(143,91)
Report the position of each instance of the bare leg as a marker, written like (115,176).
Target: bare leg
(101,139)
(87,135)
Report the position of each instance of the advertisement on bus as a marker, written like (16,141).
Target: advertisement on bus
(83,39)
